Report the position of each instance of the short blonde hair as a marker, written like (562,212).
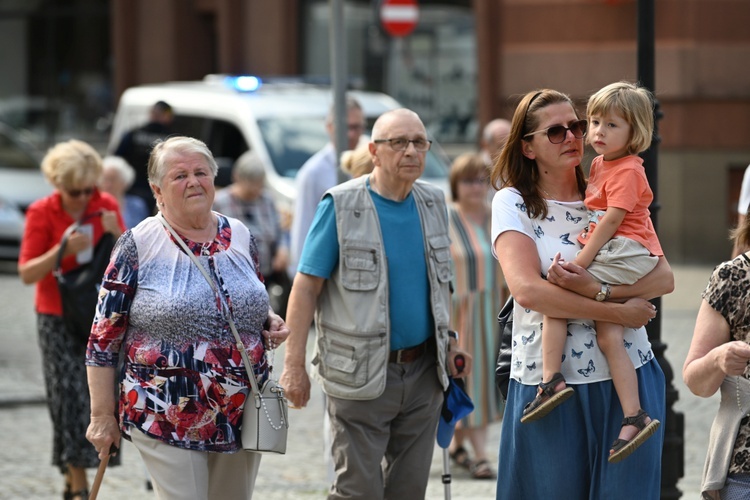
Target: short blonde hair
(357,162)
(634,103)
(72,164)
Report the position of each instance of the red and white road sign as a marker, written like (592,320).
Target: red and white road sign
(399,17)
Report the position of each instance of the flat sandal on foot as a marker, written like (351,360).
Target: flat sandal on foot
(481,469)
(461,457)
(547,400)
(622,448)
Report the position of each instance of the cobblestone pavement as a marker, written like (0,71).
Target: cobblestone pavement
(25,470)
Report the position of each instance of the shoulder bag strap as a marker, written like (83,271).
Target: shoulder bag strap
(237,339)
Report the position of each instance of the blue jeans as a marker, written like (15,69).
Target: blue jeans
(564,455)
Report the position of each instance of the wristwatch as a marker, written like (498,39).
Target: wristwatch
(603,294)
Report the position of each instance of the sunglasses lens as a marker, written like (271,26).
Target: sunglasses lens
(556,134)
(75,193)
(578,128)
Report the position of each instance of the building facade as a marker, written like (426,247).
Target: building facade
(467,62)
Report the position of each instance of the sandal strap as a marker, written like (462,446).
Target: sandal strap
(548,388)
(638,420)
(80,494)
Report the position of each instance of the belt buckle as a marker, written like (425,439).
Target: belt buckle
(398,356)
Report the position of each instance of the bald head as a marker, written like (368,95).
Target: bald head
(384,121)
(395,170)
(494,136)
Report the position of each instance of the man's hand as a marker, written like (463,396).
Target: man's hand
(296,384)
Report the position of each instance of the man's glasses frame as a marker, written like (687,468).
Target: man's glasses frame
(402,144)
(557,133)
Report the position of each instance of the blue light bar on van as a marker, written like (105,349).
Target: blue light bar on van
(243,83)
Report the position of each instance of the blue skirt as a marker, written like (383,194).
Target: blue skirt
(564,455)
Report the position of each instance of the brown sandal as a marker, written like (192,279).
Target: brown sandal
(546,400)
(482,470)
(622,448)
(461,457)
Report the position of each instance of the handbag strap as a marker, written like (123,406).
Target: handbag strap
(66,236)
(237,339)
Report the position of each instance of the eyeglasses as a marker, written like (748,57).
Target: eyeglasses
(75,193)
(557,133)
(402,144)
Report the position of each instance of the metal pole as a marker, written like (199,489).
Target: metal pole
(673,455)
(338,77)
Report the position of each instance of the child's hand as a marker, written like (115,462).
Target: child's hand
(556,261)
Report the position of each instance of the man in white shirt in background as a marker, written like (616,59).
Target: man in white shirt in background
(319,174)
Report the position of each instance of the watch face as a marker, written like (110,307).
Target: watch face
(600,296)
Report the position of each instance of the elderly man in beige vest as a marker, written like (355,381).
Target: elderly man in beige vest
(375,273)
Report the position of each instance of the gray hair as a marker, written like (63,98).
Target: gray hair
(177,145)
(249,167)
(351,103)
(122,167)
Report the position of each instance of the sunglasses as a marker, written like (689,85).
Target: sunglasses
(557,133)
(75,193)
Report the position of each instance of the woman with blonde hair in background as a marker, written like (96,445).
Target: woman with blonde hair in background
(357,162)
(73,168)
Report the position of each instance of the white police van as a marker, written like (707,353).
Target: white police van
(282,120)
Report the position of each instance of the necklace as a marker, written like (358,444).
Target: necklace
(549,196)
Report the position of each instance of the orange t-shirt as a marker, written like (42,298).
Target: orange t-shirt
(622,184)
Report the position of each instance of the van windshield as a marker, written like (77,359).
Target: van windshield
(291,141)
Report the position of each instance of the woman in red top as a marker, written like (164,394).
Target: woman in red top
(73,168)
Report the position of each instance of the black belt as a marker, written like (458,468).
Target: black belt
(408,355)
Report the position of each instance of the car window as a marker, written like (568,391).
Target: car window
(13,156)
(291,141)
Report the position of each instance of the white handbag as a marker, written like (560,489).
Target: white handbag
(265,419)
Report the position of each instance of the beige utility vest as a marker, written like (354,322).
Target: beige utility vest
(352,317)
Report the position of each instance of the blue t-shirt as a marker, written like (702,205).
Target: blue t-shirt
(408,284)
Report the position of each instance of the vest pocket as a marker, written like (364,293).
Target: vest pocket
(360,269)
(343,359)
(440,254)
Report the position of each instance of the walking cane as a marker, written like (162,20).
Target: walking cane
(456,406)
(100,472)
